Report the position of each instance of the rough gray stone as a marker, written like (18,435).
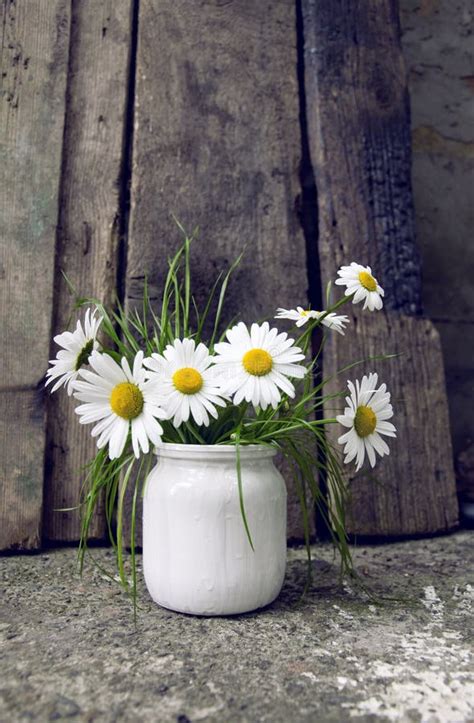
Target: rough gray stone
(70,650)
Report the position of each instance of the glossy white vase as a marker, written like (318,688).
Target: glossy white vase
(196,554)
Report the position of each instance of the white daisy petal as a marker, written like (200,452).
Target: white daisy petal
(370,451)
(90,413)
(185,381)
(368,408)
(102,425)
(282,382)
(153,428)
(379,444)
(197,410)
(137,364)
(77,346)
(345,437)
(301,316)
(126,368)
(360,454)
(265,390)
(107,368)
(361,285)
(135,441)
(386,428)
(139,431)
(386,413)
(346,420)
(118,438)
(106,434)
(291,370)
(121,402)
(209,405)
(255,365)
(185,408)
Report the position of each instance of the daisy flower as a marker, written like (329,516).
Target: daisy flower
(366,416)
(119,400)
(255,365)
(301,316)
(187,382)
(362,285)
(77,346)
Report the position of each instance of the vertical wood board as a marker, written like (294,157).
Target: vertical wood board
(359,138)
(217,143)
(412,490)
(88,234)
(34,59)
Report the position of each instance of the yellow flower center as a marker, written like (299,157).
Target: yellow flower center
(367,281)
(257,362)
(126,400)
(187,380)
(305,312)
(365,421)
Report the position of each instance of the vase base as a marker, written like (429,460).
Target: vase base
(209,613)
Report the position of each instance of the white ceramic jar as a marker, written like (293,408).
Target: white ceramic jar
(196,554)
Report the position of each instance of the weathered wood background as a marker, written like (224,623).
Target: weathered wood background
(280,126)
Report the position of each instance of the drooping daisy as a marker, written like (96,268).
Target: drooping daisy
(362,285)
(301,316)
(119,400)
(77,346)
(186,381)
(255,365)
(366,416)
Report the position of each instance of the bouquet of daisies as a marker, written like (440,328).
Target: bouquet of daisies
(174,374)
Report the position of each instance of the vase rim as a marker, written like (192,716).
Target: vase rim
(213,451)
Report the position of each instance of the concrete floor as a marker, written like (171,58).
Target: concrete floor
(70,650)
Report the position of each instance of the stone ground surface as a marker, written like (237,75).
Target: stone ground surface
(70,650)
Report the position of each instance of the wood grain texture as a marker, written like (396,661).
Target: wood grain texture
(359,135)
(22,435)
(359,138)
(217,143)
(34,58)
(88,234)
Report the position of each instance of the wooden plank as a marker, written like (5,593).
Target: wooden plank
(412,490)
(22,437)
(34,57)
(88,237)
(217,143)
(359,138)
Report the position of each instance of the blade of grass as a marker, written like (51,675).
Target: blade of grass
(241,494)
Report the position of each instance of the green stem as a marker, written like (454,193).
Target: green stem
(241,494)
(194,433)
(318,322)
